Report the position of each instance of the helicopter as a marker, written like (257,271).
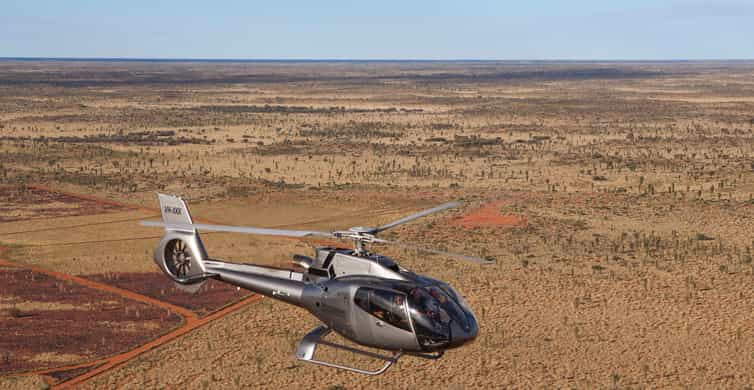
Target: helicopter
(365,297)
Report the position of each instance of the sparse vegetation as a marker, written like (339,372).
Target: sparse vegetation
(616,198)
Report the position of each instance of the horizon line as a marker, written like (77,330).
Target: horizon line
(387,60)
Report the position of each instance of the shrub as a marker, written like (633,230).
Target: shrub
(703,237)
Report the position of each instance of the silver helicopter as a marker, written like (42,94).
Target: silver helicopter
(365,297)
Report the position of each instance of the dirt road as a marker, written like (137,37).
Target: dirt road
(190,320)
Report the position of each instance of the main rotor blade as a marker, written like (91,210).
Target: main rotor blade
(237,229)
(416,216)
(458,256)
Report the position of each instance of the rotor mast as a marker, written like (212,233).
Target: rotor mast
(360,236)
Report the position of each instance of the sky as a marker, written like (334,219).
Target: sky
(383,29)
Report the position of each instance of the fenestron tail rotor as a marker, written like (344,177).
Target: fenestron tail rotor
(359,235)
(178,258)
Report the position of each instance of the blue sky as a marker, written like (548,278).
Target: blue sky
(385,29)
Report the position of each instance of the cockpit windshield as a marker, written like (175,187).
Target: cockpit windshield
(449,305)
(432,310)
(456,296)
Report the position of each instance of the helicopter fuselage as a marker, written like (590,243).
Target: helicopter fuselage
(368,299)
(365,297)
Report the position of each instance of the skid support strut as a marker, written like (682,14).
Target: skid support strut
(309,343)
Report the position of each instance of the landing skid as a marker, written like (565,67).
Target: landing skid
(309,343)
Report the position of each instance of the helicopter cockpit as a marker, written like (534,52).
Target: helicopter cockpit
(386,305)
(437,316)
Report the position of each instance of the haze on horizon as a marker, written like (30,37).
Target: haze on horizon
(442,29)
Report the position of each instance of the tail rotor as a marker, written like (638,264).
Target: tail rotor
(180,254)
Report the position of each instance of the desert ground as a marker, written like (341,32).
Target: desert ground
(616,199)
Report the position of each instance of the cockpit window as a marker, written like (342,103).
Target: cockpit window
(449,305)
(430,321)
(432,311)
(388,306)
(455,295)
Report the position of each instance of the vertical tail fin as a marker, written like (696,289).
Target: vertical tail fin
(180,253)
(174,210)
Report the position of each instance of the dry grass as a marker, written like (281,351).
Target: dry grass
(23,382)
(614,174)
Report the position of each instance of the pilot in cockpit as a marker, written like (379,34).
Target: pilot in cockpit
(425,304)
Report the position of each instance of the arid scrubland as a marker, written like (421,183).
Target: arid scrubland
(615,197)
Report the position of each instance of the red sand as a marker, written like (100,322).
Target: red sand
(489,215)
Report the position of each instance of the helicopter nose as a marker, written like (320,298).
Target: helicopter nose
(460,335)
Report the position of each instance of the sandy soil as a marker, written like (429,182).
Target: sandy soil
(616,199)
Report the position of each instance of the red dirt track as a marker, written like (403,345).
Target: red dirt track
(190,325)
(87,370)
(191,322)
(70,322)
(212,295)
